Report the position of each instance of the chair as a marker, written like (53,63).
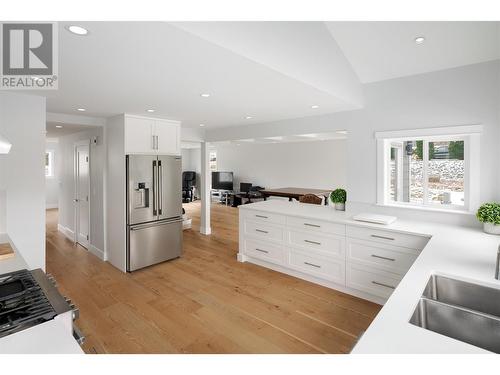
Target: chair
(188,185)
(310,198)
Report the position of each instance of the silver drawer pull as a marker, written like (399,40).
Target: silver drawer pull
(261,231)
(382,237)
(312,264)
(312,225)
(262,251)
(262,216)
(384,258)
(384,285)
(313,242)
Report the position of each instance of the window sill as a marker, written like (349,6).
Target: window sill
(427,208)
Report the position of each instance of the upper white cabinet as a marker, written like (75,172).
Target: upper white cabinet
(151,136)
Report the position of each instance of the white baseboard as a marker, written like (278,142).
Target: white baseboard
(51,205)
(66,231)
(97,252)
(206,230)
(4,238)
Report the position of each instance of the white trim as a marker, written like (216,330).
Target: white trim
(4,238)
(96,251)
(49,206)
(70,234)
(431,132)
(206,231)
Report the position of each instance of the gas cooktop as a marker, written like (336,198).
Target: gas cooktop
(23,302)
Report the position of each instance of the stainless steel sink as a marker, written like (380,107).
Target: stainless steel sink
(464,311)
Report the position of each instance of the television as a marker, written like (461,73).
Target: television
(222,180)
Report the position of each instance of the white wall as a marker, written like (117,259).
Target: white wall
(316,165)
(459,96)
(22,176)
(191,161)
(67,186)
(52,183)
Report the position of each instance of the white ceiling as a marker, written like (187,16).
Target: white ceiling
(383,50)
(132,66)
(309,137)
(267,70)
(54,132)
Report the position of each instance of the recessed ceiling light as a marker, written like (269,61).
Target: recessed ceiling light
(205,95)
(202,125)
(248,117)
(419,39)
(81,109)
(78,30)
(314,106)
(59,126)
(150,110)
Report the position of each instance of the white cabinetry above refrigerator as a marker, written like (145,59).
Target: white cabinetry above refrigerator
(145,135)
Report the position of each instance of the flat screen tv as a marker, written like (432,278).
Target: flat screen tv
(222,180)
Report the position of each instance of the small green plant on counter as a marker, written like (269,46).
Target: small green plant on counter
(489,213)
(338,196)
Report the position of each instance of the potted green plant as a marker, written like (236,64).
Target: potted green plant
(338,198)
(489,215)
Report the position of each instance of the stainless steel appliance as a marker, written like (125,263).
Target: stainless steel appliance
(154,209)
(29,298)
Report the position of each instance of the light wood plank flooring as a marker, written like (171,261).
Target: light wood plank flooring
(204,302)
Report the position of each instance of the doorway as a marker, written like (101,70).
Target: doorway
(82,190)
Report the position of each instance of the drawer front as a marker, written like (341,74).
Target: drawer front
(316,225)
(317,265)
(264,231)
(265,217)
(264,250)
(387,237)
(331,245)
(370,280)
(390,258)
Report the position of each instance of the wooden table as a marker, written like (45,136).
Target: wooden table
(294,193)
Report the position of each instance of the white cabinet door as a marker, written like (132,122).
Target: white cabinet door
(168,135)
(139,135)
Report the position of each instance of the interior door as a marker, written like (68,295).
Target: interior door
(170,186)
(82,203)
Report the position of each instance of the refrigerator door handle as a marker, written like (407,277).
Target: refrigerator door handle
(154,188)
(160,187)
(155,224)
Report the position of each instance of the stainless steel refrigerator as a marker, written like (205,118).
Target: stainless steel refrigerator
(154,209)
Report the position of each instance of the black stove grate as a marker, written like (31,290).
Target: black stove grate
(23,303)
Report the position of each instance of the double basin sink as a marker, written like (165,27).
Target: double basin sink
(464,311)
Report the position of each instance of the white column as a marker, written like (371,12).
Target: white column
(206,182)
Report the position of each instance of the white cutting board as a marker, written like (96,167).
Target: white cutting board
(374,218)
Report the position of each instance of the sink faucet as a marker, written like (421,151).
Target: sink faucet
(497,269)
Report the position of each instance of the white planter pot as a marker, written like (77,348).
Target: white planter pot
(340,206)
(491,228)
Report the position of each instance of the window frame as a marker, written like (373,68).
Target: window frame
(470,134)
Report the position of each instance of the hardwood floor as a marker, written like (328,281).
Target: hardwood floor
(204,302)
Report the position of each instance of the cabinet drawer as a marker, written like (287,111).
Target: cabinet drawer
(264,250)
(370,280)
(264,231)
(317,265)
(332,245)
(388,237)
(262,216)
(387,257)
(316,225)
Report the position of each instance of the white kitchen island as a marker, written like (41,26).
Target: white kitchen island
(389,264)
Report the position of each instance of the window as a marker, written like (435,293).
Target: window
(437,171)
(49,163)
(212,160)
